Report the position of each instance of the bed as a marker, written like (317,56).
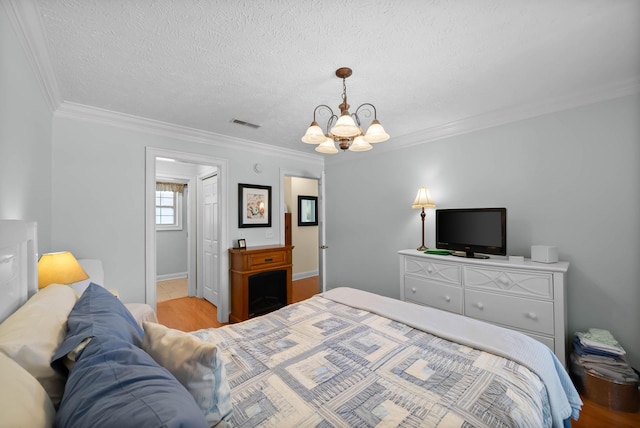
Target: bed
(344,358)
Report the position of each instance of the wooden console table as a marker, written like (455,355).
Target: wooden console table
(250,261)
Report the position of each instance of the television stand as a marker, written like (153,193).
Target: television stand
(469,255)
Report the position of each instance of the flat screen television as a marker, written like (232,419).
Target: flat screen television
(473,232)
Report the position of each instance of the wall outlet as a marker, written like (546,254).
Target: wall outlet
(269,233)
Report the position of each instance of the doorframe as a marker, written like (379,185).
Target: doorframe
(151,153)
(285,172)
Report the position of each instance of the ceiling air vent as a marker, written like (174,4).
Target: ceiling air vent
(242,122)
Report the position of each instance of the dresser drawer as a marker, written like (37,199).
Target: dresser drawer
(518,283)
(431,293)
(527,314)
(424,268)
(264,259)
(548,341)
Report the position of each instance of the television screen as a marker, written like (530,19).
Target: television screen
(472,230)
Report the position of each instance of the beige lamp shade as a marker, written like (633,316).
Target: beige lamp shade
(423,199)
(360,145)
(59,268)
(314,134)
(327,147)
(345,126)
(376,133)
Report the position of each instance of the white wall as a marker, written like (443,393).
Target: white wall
(25,139)
(570,179)
(99,191)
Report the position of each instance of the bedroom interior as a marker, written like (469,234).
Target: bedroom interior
(534,108)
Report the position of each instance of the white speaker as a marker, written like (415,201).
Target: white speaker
(544,254)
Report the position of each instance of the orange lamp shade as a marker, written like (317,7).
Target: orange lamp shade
(59,268)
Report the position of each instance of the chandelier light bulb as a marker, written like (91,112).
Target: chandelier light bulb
(328,146)
(345,126)
(376,133)
(314,134)
(360,145)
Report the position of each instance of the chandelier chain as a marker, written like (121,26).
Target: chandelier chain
(344,90)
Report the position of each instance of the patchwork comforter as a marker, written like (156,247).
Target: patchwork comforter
(322,363)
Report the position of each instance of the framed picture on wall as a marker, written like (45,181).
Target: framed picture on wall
(307,210)
(254,205)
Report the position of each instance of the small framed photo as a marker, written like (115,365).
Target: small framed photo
(307,210)
(254,205)
(242,244)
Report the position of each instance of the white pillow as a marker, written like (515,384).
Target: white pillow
(31,335)
(195,363)
(23,401)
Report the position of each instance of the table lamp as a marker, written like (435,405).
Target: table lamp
(423,200)
(59,268)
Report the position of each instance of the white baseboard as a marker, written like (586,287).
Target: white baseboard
(168,276)
(303,275)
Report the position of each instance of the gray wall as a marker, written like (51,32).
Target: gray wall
(25,139)
(109,165)
(569,179)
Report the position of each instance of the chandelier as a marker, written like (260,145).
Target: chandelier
(345,130)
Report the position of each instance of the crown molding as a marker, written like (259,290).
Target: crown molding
(26,22)
(86,113)
(502,117)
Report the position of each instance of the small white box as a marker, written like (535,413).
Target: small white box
(544,253)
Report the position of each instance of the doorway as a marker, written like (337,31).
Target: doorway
(308,240)
(218,280)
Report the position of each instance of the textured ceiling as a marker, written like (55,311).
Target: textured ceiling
(423,64)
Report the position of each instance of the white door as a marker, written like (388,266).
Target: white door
(210,239)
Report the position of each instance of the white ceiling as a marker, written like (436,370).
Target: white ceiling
(423,64)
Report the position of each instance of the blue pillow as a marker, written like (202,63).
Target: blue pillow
(116,384)
(97,313)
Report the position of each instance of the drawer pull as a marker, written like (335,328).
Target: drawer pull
(413,289)
(270,259)
(479,305)
(447,298)
(532,315)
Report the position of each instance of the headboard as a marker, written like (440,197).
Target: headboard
(18,264)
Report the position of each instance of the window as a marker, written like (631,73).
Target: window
(168,210)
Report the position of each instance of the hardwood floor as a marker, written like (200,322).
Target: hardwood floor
(191,313)
(171,289)
(595,416)
(305,288)
(188,314)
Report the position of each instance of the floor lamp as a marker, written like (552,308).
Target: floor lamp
(423,200)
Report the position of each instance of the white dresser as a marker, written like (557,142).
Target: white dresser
(526,296)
